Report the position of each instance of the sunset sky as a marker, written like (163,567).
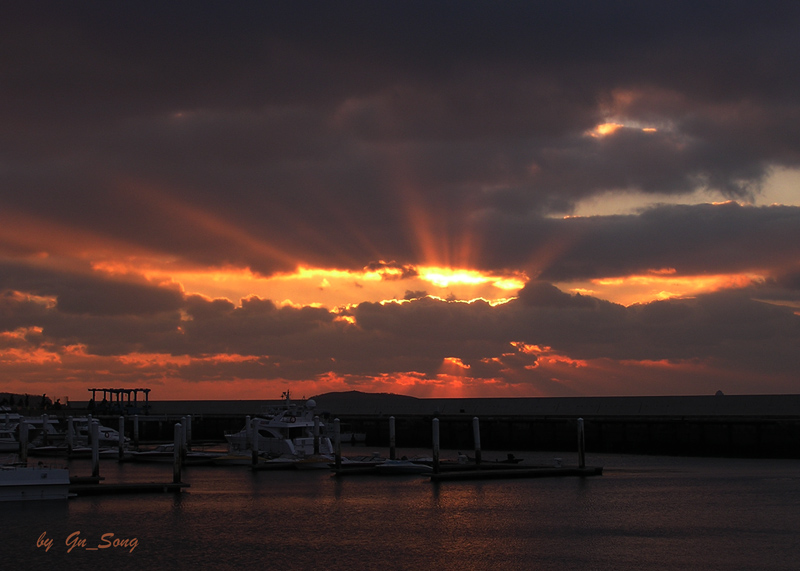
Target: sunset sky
(439,199)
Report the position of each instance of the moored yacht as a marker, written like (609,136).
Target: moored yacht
(289,432)
(107,437)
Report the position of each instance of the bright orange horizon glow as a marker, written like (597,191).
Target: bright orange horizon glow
(445,277)
(553,373)
(325,287)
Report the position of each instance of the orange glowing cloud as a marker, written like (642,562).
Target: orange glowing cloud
(659,285)
(605,129)
(322,287)
(142,360)
(453,364)
(445,277)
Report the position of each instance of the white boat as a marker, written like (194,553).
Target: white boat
(107,442)
(287,433)
(41,430)
(34,483)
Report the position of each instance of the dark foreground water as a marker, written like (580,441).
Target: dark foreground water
(643,513)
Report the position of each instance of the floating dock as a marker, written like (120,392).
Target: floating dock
(133,488)
(355,470)
(481,474)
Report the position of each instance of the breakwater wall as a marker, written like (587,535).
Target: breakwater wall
(729,437)
(673,436)
(754,426)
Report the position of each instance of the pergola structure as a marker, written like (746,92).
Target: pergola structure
(120,399)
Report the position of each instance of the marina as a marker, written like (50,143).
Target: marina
(290,437)
(447,507)
(302,435)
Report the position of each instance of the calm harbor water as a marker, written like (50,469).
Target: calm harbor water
(643,513)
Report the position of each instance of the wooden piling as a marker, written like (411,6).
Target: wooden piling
(316,435)
(248,425)
(184,441)
(23,441)
(121,444)
(255,444)
(177,455)
(392,440)
(136,430)
(70,435)
(337,442)
(476,431)
(188,432)
(581,445)
(435,445)
(94,430)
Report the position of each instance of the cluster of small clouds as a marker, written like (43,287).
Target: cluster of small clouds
(271,136)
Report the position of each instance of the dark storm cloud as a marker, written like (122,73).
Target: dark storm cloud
(80,292)
(306,125)
(691,239)
(727,326)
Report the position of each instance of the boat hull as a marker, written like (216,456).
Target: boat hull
(21,483)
